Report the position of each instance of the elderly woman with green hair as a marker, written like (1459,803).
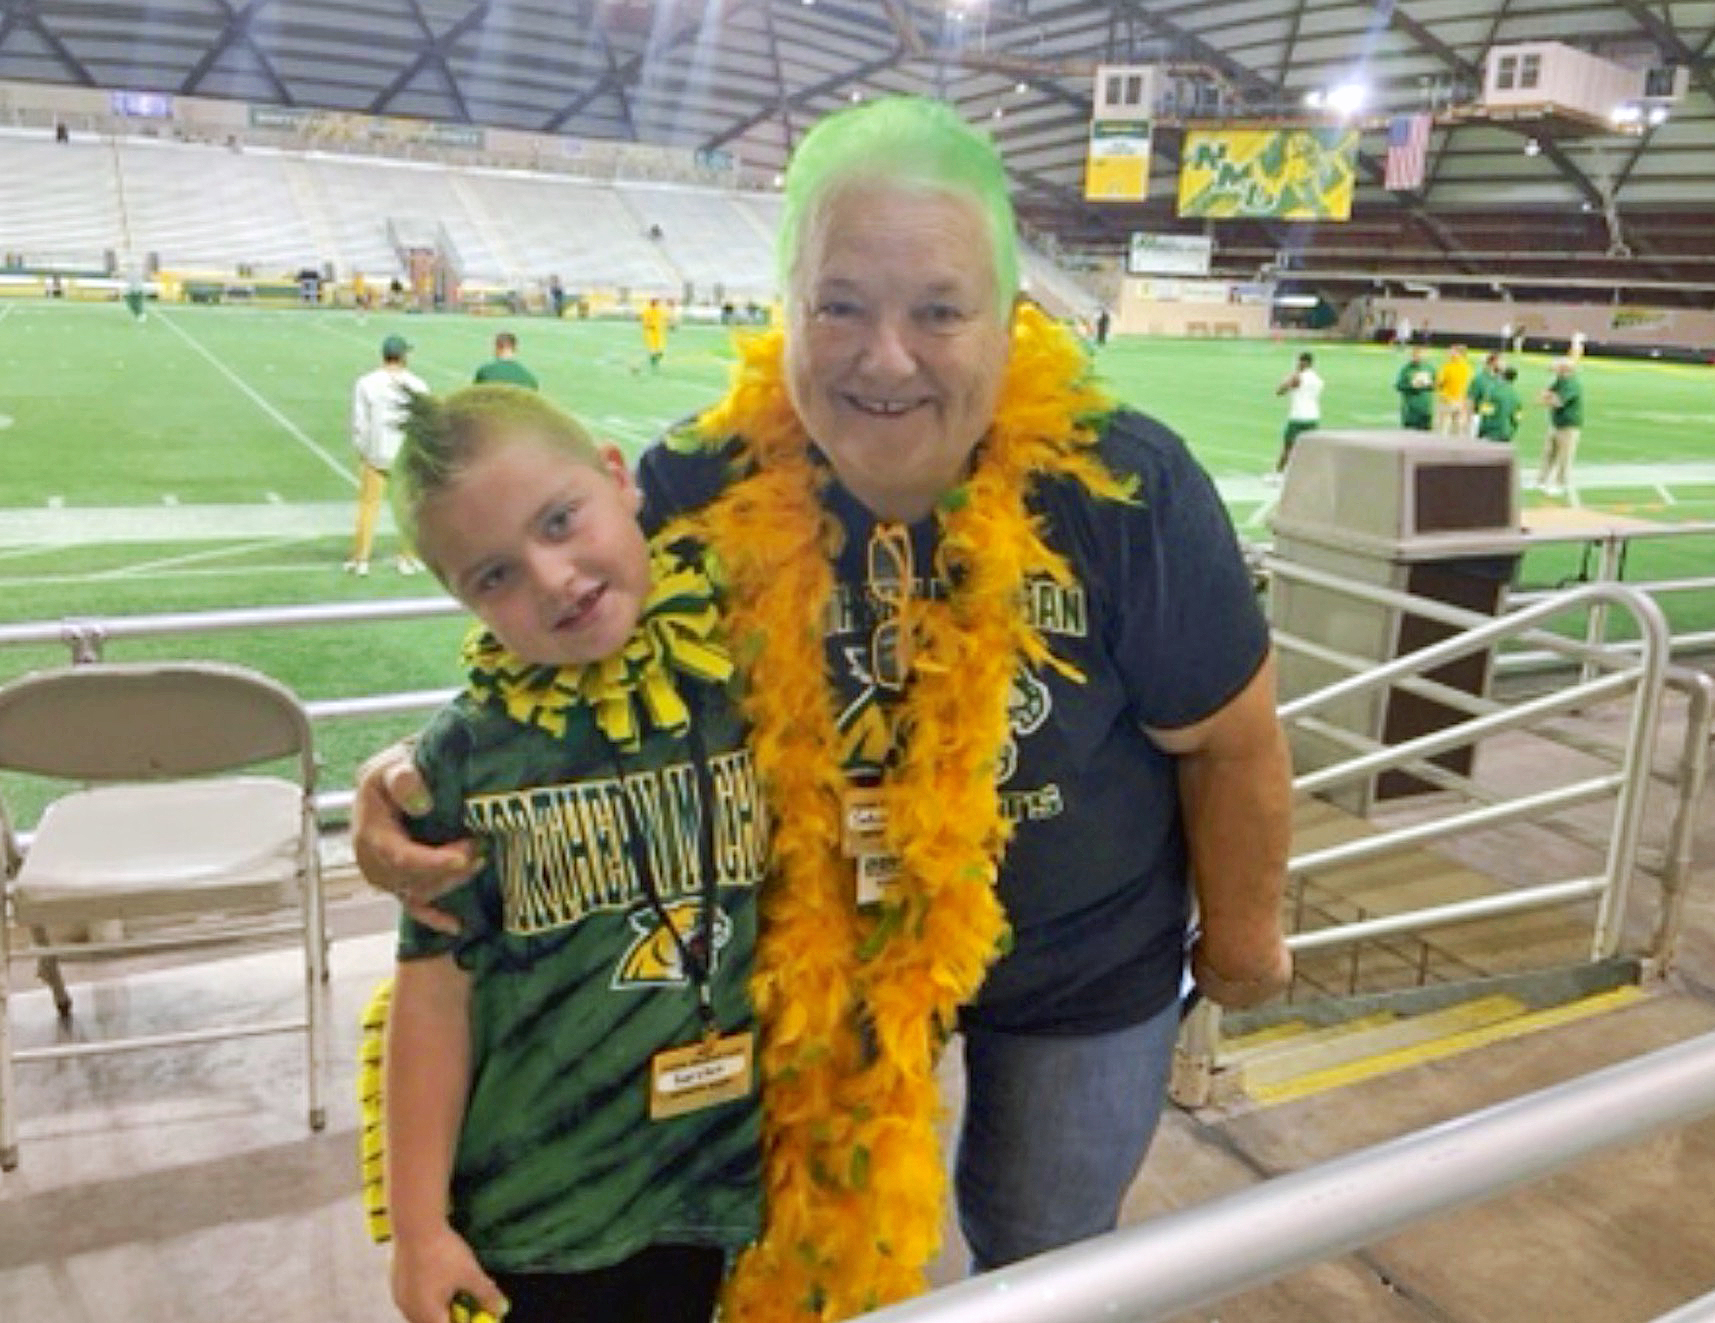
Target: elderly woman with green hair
(1013,706)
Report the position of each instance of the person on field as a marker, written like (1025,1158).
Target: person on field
(1303,389)
(504,367)
(378,404)
(1564,397)
(1415,383)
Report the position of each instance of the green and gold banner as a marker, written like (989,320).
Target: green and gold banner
(1277,174)
(1117,168)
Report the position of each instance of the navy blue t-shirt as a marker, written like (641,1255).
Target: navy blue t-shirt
(1162,621)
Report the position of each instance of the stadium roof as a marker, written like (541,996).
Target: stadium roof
(747,76)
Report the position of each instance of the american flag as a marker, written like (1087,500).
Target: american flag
(1407,150)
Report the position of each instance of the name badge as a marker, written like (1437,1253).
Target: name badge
(708,1073)
(863,821)
(874,872)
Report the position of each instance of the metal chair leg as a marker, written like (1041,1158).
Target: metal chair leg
(8,1104)
(315,991)
(48,970)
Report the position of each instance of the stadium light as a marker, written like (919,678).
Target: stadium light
(1348,98)
(1627,112)
(1313,98)
(1657,116)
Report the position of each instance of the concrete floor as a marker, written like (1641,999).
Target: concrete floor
(183,1186)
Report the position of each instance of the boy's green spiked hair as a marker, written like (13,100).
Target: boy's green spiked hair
(903,141)
(445,434)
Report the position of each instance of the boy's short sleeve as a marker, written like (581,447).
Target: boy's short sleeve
(442,755)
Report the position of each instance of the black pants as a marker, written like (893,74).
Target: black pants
(662,1284)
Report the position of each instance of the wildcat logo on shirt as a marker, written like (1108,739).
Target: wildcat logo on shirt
(655,959)
(1027,707)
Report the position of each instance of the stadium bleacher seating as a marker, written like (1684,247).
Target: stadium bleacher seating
(211,209)
(59,202)
(211,218)
(707,236)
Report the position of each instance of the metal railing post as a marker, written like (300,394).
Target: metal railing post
(1639,762)
(1610,552)
(84,638)
(1693,771)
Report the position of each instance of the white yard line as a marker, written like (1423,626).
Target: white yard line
(144,568)
(297,432)
(627,428)
(334,576)
(173,526)
(32,549)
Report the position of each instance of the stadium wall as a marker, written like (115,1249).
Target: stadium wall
(1142,312)
(1636,326)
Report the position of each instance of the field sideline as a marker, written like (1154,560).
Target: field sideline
(199,459)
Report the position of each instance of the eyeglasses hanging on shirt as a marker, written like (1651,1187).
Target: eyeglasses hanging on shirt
(891,575)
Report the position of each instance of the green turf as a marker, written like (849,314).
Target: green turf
(246,408)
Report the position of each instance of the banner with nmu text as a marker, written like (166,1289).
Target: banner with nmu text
(1276,174)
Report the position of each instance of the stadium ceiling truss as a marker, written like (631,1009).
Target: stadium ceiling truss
(748,76)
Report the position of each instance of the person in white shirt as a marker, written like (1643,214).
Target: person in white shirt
(377,422)
(1303,389)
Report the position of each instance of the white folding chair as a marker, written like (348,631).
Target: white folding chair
(155,840)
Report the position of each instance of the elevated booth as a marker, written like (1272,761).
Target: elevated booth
(1421,514)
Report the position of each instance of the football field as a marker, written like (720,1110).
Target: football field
(199,460)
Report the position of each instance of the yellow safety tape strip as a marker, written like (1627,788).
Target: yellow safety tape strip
(1436,1049)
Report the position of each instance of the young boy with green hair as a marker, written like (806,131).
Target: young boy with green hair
(571,1119)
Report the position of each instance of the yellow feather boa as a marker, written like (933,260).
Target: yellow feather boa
(678,629)
(855,1005)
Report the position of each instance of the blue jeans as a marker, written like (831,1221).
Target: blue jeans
(1055,1129)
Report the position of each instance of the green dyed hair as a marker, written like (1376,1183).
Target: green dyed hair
(445,435)
(904,141)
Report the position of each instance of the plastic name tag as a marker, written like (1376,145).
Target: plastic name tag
(874,872)
(705,1074)
(863,821)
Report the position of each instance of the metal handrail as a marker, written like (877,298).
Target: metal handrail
(105,628)
(1643,674)
(1199,1255)
(86,637)
(1481,630)
(1696,1311)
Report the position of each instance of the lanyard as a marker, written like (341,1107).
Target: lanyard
(697,955)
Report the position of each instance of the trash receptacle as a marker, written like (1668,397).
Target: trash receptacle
(1422,514)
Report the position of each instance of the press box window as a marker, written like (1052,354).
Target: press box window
(1124,90)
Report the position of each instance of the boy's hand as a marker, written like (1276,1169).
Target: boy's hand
(389,787)
(431,1269)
